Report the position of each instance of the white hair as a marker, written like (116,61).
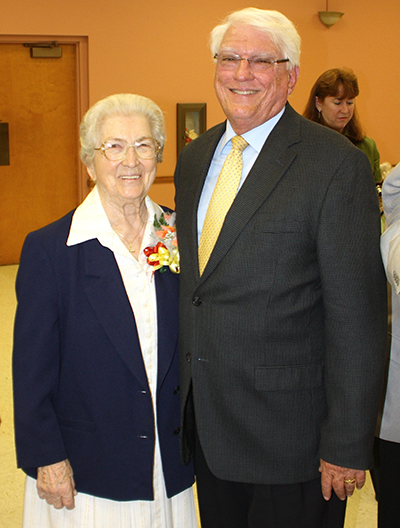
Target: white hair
(279,29)
(119,104)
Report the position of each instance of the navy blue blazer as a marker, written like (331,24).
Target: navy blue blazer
(80,385)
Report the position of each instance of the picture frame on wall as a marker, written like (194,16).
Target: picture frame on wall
(4,144)
(191,123)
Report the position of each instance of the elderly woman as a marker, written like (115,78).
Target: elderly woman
(332,103)
(95,350)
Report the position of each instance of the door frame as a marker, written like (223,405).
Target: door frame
(81,88)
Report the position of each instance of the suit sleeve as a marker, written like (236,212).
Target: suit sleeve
(355,306)
(36,359)
(390,240)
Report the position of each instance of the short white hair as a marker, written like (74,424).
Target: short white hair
(125,104)
(278,28)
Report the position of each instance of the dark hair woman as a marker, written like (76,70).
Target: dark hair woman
(332,103)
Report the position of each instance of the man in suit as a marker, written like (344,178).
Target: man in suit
(283,326)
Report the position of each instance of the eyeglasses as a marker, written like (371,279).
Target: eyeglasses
(116,149)
(230,62)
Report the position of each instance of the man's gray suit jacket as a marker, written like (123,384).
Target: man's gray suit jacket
(283,337)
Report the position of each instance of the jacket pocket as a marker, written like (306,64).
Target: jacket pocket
(288,378)
(77,425)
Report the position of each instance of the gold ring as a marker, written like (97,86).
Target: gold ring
(349,481)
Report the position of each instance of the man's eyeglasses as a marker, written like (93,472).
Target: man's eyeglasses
(230,62)
(115,149)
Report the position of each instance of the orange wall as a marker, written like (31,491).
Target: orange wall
(159,49)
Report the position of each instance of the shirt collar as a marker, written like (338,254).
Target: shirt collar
(255,137)
(90,222)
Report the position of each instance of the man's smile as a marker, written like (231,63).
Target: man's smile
(243,92)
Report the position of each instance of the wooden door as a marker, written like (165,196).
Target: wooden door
(41,182)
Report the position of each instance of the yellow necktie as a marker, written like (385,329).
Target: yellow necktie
(221,199)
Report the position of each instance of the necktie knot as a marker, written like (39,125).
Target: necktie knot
(239,143)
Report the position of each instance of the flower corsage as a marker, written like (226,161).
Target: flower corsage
(165,254)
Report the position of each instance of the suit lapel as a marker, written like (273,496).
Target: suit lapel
(271,165)
(106,294)
(189,202)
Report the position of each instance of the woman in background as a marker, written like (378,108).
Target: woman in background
(95,363)
(332,103)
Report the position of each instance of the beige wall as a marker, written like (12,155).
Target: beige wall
(159,49)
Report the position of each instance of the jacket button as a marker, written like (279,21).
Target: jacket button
(196,301)
(188,357)
(176,390)
(177,431)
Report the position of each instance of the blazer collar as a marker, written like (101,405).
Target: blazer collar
(107,296)
(167,288)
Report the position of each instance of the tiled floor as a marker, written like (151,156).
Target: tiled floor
(11,479)
(361,510)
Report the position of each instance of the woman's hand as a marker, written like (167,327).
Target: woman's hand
(56,485)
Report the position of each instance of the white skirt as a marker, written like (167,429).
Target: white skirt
(94,512)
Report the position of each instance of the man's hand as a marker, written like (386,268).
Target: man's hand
(342,480)
(56,485)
